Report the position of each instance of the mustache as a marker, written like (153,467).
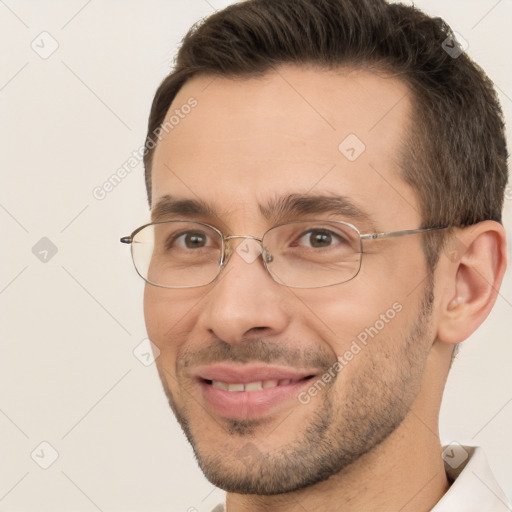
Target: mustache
(257,350)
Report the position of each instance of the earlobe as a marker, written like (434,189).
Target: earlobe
(472,281)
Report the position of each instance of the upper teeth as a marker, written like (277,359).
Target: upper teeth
(250,386)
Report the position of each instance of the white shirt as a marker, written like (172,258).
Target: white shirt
(474,488)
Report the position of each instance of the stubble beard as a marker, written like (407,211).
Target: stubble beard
(335,435)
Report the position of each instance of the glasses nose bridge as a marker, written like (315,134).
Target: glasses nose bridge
(228,249)
(228,239)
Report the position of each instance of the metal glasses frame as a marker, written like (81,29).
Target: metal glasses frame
(266,257)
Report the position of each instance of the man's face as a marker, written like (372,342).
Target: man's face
(334,370)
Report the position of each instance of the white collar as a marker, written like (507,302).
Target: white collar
(474,488)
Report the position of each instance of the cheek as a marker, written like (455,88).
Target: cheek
(362,313)
(168,320)
(154,315)
(167,316)
(342,311)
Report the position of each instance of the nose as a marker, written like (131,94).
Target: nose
(244,301)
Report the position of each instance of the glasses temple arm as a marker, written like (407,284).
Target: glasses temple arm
(393,234)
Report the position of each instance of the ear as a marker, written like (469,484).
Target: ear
(474,262)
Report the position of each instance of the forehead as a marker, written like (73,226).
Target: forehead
(292,131)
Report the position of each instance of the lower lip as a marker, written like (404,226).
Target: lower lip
(250,404)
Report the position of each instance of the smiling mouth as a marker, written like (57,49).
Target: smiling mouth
(237,387)
(251,391)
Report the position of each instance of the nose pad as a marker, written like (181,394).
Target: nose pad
(228,251)
(249,249)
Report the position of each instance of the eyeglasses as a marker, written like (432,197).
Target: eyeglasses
(299,254)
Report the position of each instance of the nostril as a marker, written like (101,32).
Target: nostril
(255,331)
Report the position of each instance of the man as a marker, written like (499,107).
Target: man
(326,180)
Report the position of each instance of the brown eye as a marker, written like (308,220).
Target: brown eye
(189,240)
(318,238)
(193,240)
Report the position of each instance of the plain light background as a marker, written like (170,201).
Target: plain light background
(71,322)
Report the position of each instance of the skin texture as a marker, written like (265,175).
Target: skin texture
(369,439)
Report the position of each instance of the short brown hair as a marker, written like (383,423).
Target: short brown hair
(456,155)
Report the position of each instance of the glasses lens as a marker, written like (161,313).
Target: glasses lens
(313,254)
(177,254)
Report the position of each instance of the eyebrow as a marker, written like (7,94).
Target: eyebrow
(167,206)
(305,205)
(278,209)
